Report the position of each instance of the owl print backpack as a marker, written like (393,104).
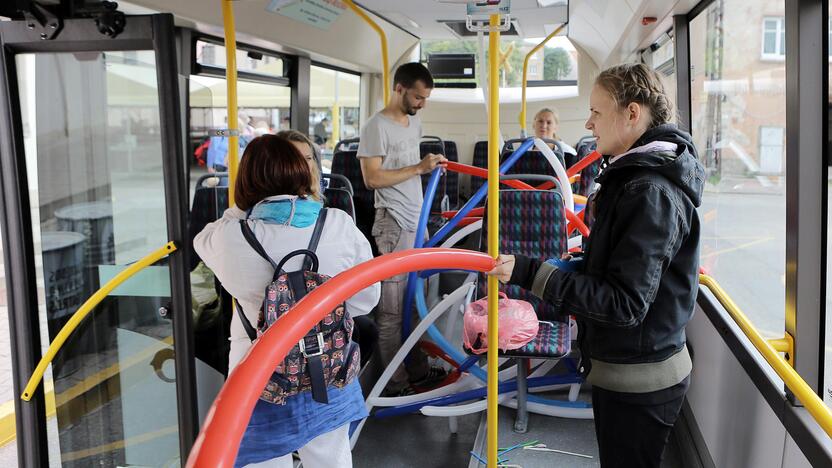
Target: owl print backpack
(325,356)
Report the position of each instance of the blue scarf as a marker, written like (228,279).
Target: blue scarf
(296,212)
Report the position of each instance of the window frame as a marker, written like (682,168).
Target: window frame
(779,54)
(529,83)
(360,76)
(219,72)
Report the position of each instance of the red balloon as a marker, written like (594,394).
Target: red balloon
(586,161)
(576,222)
(483,173)
(228,417)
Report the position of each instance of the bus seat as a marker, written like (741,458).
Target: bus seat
(345,163)
(532,222)
(440,202)
(208,206)
(589,173)
(533,162)
(452,184)
(480,160)
(339,194)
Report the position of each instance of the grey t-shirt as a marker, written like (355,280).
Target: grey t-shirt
(399,147)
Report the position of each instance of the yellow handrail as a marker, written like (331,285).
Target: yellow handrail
(385,67)
(784,345)
(231,91)
(819,411)
(525,76)
(493,231)
(84,310)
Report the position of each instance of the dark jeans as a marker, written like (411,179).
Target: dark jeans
(633,428)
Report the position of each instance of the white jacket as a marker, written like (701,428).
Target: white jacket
(244,274)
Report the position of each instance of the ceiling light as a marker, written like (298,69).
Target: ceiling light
(548,3)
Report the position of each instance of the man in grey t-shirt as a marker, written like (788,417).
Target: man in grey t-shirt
(390,164)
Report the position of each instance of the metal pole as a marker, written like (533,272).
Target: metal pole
(231,84)
(385,67)
(493,231)
(525,71)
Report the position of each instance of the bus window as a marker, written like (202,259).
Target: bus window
(334,99)
(738,103)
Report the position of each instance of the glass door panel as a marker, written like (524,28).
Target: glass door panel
(93,145)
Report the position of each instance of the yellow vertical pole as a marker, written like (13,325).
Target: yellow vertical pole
(525,76)
(493,228)
(385,67)
(336,124)
(231,83)
(336,116)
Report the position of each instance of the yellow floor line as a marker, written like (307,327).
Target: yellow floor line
(738,247)
(7,419)
(118,445)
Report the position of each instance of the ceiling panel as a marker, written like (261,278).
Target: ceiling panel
(422,17)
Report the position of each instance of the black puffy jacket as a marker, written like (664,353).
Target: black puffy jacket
(637,287)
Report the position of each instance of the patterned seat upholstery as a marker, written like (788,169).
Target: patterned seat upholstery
(532,222)
(434,147)
(452,183)
(531,226)
(589,173)
(552,341)
(345,162)
(440,204)
(533,162)
(480,160)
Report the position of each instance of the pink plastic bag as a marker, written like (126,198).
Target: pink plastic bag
(517,324)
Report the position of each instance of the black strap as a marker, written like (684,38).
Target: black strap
(297,283)
(316,236)
(308,263)
(250,331)
(248,234)
(316,376)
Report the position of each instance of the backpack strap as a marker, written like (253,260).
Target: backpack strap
(316,237)
(309,263)
(250,331)
(248,234)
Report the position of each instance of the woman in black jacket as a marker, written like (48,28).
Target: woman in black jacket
(635,290)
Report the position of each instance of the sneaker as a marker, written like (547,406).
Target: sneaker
(434,376)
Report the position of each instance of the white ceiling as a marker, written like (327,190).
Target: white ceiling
(420,17)
(611,31)
(608,31)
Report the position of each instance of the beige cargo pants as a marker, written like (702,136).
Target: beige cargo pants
(390,237)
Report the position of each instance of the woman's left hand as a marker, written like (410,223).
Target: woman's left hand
(504,268)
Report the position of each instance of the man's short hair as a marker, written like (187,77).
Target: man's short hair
(408,74)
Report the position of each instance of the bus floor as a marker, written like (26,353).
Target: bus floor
(417,440)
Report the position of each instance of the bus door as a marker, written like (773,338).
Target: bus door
(92,181)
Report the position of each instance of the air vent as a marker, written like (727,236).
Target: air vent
(458,27)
